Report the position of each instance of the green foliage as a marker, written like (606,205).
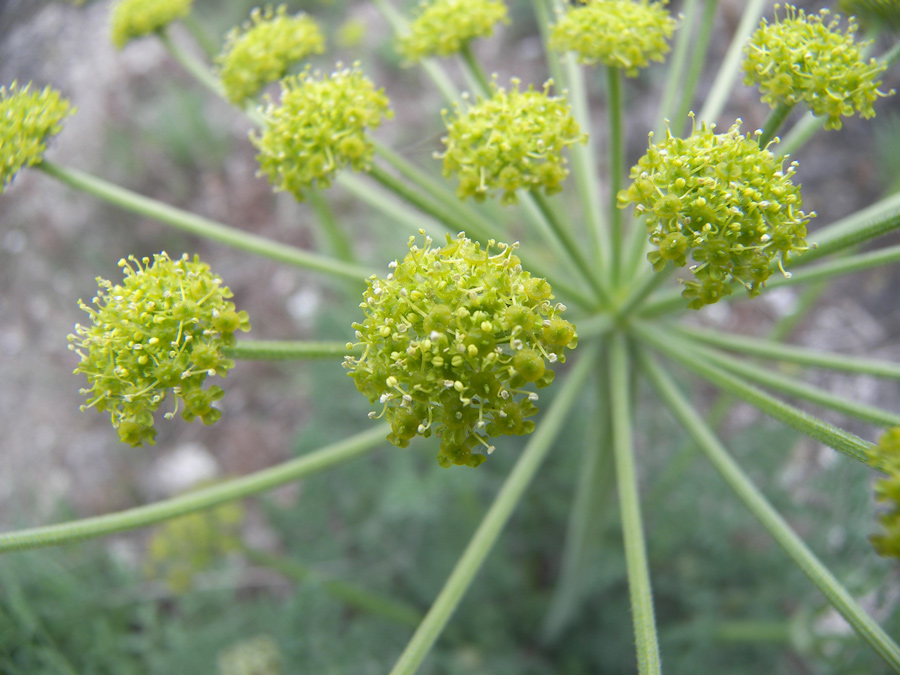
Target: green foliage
(132,19)
(162,330)
(318,128)
(27,121)
(264,49)
(452,336)
(724,201)
(617,33)
(513,140)
(802,58)
(444,27)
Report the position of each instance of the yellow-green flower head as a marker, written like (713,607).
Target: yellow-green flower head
(442,27)
(318,128)
(263,50)
(163,330)
(722,200)
(136,18)
(258,655)
(511,141)
(27,120)
(887,490)
(873,14)
(451,339)
(803,58)
(617,33)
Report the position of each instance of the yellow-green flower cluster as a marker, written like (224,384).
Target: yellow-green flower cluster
(513,140)
(318,128)
(722,200)
(163,330)
(618,33)
(258,655)
(443,27)
(27,120)
(183,547)
(136,18)
(803,58)
(452,336)
(263,50)
(886,455)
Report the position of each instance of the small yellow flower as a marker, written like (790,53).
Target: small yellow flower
(452,336)
(27,120)
(318,128)
(444,26)
(887,490)
(136,18)
(263,50)
(617,33)
(513,140)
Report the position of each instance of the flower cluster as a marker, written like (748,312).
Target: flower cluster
(803,58)
(319,128)
(27,120)
(513,140)
(451,338)
(724,201)
(258,655)
(617,33)
(162,330)
(263,50)
(444,26)
(887,456)
(136,18)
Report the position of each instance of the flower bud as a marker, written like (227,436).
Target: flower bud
(136,18)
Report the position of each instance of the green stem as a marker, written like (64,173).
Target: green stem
(675,73)
(474,69)
(202,227)
(277,350)
(799,134)
(698,61)
(773,380)
(834,268)
(680,351)
(630,510)
(198,500)
(348,593)
(731,64)
(496,518)
(880,218)
(804,356)
(199,70)
(641,289)
(774,122)
(759,506)
(198,32)
(616,169)
(338,241)
(398,213)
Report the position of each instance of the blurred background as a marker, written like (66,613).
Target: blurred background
(287,577)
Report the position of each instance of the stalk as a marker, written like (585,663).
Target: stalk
(202,227)
(616,169)
(198,500)
(639,586)
(775,120)
(278,350)
(496,518)
(698,60)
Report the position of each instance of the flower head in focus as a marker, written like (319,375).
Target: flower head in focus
(442,27)
(263,50)
(319,127)
(805,57)
(451,339)
(617,33)
(723,201)
(133,19)
(513,140)
(162,331)
(27,119)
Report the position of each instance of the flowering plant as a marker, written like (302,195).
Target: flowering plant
(564,289)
